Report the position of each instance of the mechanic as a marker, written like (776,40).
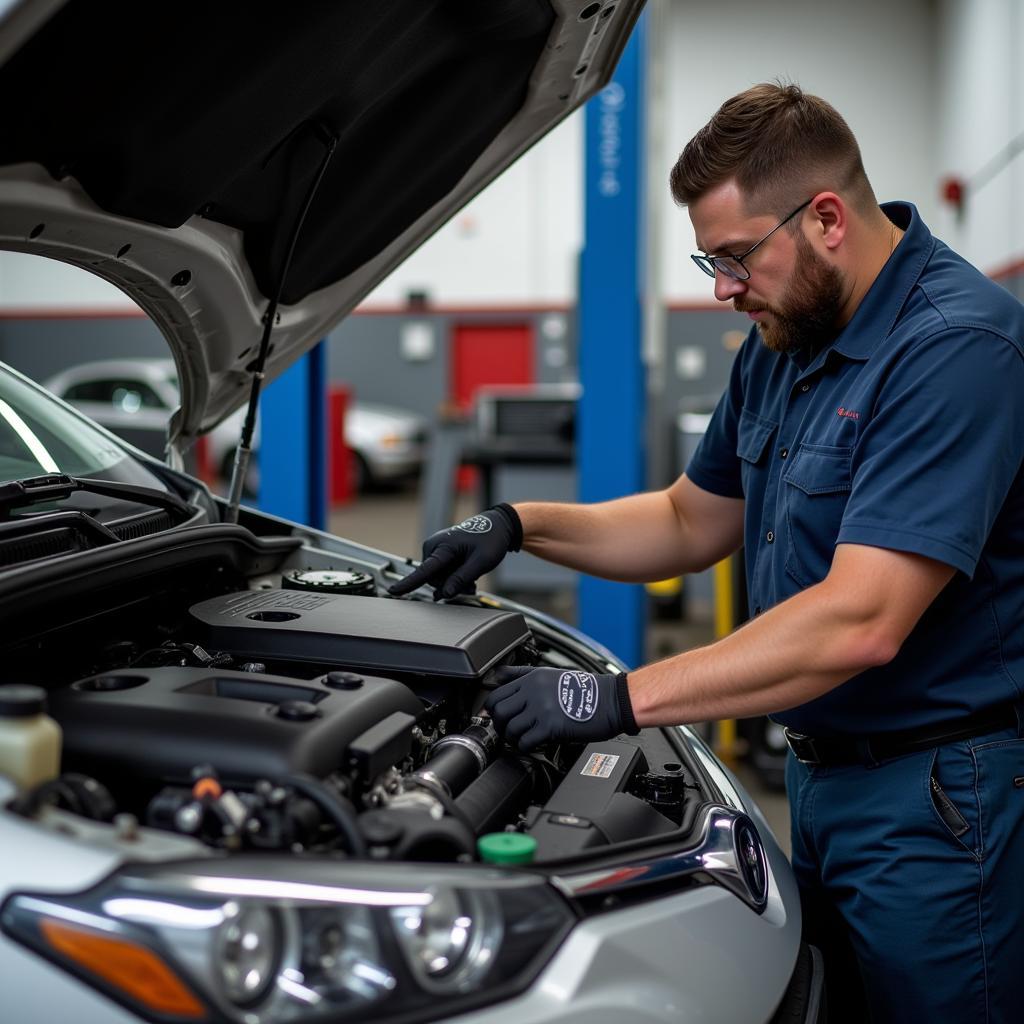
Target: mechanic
(867,456)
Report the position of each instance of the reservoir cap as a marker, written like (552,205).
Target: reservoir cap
(20,701)
(506,848)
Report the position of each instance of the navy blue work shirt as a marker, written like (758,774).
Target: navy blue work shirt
(907,433)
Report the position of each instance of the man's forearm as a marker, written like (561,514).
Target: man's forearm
(634,539)
(858,617)
(791,654)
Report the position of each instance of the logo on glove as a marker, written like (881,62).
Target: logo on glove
(577,695)
(475,524)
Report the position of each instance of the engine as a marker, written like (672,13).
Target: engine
(301,720)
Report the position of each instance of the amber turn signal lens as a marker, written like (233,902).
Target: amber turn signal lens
(131,969)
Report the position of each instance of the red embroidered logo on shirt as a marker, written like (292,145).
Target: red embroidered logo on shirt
(847,413)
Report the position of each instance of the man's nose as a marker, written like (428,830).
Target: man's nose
(727,287)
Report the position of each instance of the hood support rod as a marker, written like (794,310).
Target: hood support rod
(243,453)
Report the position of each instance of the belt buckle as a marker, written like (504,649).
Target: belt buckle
(803,747)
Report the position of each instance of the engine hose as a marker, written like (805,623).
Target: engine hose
(457,759)
(340,811)
(500,793)
(438,792)
(454,767)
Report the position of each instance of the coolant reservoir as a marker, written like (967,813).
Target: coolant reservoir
(30,740)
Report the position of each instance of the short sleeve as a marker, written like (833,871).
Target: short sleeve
(941,450)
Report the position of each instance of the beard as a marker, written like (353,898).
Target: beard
(808,315)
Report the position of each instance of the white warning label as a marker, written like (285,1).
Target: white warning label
(600,766)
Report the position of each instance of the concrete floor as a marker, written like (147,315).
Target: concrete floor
(390,521)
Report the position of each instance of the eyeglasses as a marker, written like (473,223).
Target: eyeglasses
(733,266)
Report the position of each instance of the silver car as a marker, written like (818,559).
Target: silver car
(277,798)
(135,397)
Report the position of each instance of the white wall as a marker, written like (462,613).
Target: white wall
(34,283)
(517,242)
(872,60)
(981,110)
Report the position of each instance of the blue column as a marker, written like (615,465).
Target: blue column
(293,442)
(610,441)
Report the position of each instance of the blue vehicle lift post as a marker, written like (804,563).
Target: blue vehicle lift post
(611,421)
(293,442)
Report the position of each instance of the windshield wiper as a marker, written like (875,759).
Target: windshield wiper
(57,486)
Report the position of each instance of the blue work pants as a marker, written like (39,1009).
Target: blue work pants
(911,874)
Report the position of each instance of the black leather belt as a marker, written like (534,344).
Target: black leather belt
(828,750)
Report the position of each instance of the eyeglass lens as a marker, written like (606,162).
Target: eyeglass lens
(728,265)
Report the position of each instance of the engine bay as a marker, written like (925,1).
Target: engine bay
(227,696)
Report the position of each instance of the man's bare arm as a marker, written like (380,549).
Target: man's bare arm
(644,537)
(858,617)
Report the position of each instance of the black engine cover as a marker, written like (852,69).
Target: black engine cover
(137,727)
(376,634)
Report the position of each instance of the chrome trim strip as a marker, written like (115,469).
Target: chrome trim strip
(817,993)
(729,852)
(726,789)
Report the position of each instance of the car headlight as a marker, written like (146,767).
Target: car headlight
(247,950)
(268,940)
(450,943)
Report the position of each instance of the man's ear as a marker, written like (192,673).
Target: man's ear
(831,219)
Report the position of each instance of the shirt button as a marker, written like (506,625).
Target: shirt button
(783,453)
(805,387)
(770,537)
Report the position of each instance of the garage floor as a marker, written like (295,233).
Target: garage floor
(390,521)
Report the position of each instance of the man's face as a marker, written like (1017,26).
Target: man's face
(807,313)
(794,295)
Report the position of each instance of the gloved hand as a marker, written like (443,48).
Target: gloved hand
(454,559)
(535,706)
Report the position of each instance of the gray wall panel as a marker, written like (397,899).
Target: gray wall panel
(368,353)
(698,358)
(365,354)
(42,347)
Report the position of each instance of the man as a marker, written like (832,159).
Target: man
(867,455)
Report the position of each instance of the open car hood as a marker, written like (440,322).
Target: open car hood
(171,149)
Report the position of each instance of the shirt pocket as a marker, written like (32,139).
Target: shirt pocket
(753,433)
(817,485)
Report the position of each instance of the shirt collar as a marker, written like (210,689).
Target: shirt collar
(879,310)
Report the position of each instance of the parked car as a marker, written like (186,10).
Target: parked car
(278,799)
(134,397)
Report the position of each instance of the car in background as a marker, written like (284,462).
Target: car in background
(134,397)
(279,798)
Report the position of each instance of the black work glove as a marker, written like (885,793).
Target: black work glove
(535,706)
(454,559)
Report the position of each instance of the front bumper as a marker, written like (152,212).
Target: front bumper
(701,955)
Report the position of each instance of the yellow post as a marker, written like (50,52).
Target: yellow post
(725,622)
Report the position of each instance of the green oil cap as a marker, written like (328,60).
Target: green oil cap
(506,848)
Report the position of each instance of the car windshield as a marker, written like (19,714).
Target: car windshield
(38,436)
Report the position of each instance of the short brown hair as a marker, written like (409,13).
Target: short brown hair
(780,145)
